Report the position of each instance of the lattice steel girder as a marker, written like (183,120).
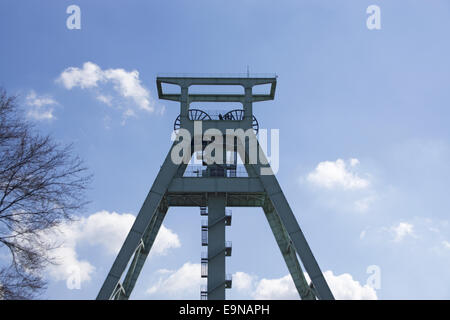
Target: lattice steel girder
(287,218)
(143,219)
(141,254)
(288,253)
(260,189)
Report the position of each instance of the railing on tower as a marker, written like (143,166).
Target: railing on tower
(204,264)
(204,233)
(197,171)
(228,281)
(203,292)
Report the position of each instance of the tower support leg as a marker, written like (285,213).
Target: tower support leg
(287,218)
(140,225)
(289,222)
(142,253)
(289,254)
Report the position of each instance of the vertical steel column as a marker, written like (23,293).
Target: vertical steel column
(248,106)
(216,246)
(184,104)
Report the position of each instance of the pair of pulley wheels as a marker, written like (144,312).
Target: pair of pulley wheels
(200,115)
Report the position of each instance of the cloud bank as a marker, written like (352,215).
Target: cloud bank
(40,107)
(105,229)
(337,174)
(185,282)
(126,84)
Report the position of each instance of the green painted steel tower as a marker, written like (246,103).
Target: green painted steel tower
(217,140)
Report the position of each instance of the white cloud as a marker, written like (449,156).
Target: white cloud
(40,107)
(343,286)
(165,241)
(362,234)
(276,289)
(104,229)
(428,234)
(65,255)
(164,271)
(107,122)
(129,113)
(107,229)
(337,174)
(126,83)
(162,110)
(87,77)
(243,281)
(32,99)
(40,115)
(183,283)
(129,86)
(106,99)
(354,162)
(402,230)
(362,205)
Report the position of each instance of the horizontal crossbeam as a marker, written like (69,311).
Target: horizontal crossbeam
(235,185)
(200,199)
(217,97)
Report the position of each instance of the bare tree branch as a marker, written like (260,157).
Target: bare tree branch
(42,184)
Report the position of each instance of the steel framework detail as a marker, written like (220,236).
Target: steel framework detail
(213,190)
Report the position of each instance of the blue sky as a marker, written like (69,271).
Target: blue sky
(379,97)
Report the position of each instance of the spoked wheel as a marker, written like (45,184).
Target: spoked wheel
(238,114)
(194,114)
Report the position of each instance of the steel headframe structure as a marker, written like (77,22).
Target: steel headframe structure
(214,189)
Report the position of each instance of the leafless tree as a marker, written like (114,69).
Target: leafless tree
(41,185)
